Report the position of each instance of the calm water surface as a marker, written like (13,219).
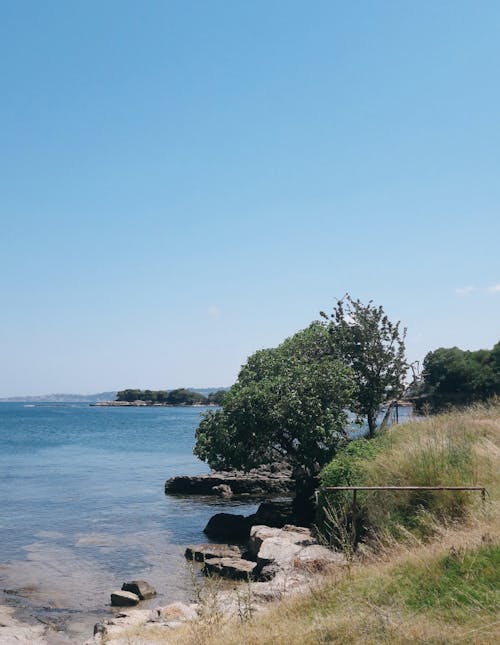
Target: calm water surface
(82,508)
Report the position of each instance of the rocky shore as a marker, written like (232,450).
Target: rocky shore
(15,632)
(273,563)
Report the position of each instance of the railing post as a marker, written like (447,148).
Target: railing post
(353,520)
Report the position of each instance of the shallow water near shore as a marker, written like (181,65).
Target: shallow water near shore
(82,509)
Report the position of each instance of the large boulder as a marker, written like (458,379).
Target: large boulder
(234,568)
(258,534)
(273,513)
(278,550)
(228,527)
(202,552)
(140,587)
(290,549)
(297,535)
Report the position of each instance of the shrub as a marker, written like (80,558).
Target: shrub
(347,467)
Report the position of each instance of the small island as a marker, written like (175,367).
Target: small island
(163,398)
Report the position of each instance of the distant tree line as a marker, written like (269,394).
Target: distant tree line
(456,377)
(180,396)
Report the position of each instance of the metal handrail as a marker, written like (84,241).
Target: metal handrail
(354,490)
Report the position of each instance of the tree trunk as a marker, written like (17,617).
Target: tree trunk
(303,505)
(372,424)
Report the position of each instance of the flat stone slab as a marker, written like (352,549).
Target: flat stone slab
(15,632)
(140,587)
(233,568)
(124,599)
(202,552)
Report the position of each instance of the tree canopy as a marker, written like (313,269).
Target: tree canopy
(364,339)
(288,403)
(452,376)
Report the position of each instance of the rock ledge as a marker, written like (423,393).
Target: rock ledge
(263,481)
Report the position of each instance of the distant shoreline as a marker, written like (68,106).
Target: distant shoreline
(98,397)
(143,404)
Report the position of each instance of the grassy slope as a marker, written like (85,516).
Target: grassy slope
(438,585)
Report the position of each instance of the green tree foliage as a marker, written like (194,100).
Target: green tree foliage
(452,376)
(161,396)
(129,395)
(348,466)
(180,396)
(364,339)
(288,403)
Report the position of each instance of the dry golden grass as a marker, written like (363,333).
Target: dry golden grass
(394,592)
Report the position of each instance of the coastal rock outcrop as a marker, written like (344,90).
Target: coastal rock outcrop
(275,552)
(236,528)
(263,481)
(284,561)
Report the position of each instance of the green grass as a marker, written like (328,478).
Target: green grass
(451,586)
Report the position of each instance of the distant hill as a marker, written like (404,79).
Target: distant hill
(207,390)
(62,398)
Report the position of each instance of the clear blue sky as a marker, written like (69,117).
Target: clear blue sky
(182,183)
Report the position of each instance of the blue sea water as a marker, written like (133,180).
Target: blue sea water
(82,506)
